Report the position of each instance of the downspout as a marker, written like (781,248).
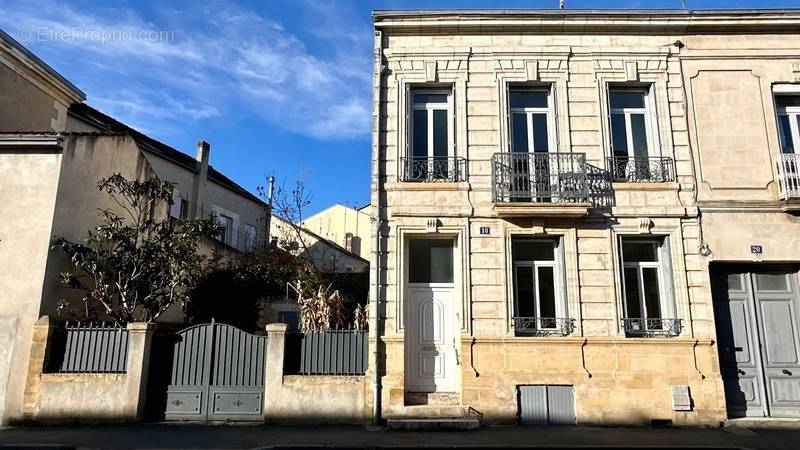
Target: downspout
(378,69)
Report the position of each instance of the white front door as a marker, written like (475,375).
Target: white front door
(432,328)
(433,357)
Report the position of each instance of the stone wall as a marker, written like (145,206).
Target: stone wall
(87,397)
(310,399)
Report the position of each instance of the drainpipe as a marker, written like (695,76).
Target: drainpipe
(376,222)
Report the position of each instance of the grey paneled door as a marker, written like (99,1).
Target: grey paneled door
(759,341)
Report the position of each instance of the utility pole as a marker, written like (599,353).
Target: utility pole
(268,231)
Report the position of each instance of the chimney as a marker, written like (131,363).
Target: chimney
(203,149)
(197,202)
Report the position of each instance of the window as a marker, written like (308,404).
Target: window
(635,153)
(431,137)
(184,209)
(538,287)
(175,207)
(249,238)
(531,119)
(788,109)
(787,163)
(226,233)
(648,305)
(430,261)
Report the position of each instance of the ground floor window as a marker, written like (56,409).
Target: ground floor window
(539,300)
(648,302)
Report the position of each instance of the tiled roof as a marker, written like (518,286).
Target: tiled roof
(103,121)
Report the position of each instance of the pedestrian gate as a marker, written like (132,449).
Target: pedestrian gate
(217,374)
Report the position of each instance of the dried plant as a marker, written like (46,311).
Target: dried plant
(321,311)
(361,320)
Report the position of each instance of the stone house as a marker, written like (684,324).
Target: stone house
(53,150)
(587,216)
(348,227)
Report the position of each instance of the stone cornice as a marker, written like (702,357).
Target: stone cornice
(590,21)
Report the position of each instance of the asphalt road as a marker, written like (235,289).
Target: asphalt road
(255,436)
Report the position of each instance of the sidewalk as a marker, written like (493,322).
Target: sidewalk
(256,436)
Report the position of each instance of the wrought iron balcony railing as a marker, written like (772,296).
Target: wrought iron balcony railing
(540,177)
(787,174)
(641,169)
(638,327)
(543,326)
(433,169)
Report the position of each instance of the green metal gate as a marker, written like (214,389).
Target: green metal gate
(217,374)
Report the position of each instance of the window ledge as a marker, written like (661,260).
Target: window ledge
(427,186)
(624,186)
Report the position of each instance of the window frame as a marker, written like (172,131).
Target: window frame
(429,108)
(667,301)
(793,113)
(650,118)
(549,110)
(227,232)
(559,271)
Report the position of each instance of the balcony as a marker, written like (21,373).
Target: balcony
(641,169)
(433,169)
(638,327)
(787,175)
(543,326)
(540,184)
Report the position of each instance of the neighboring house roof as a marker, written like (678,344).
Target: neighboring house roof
(79,94)
(327,241)
(103,121)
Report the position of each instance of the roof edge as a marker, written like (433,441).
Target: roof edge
(46,71)
(606,19)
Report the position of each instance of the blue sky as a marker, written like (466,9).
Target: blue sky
(277,87)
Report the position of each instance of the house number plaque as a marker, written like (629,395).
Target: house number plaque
(756,249)
(483,230)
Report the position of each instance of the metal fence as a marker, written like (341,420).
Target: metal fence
(434,169)
(787,174)
(641,169)
(540,177)
(332,352)
(94,347)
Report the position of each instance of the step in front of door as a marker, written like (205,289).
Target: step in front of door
(437,424)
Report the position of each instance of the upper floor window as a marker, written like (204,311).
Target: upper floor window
(539,300)
(531,119)
(648,304)
(250,236)
(788,109)
(635,153)
(226,225)
(787,163)
(431,150)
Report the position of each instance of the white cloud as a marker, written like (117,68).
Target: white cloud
(218,59)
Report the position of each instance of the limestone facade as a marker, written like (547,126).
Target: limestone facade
(710,78)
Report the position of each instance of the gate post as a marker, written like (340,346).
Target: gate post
(273,372)
(140,336)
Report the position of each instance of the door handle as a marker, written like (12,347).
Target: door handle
(740,371)
(455,349)
(787,372)
(734,349)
